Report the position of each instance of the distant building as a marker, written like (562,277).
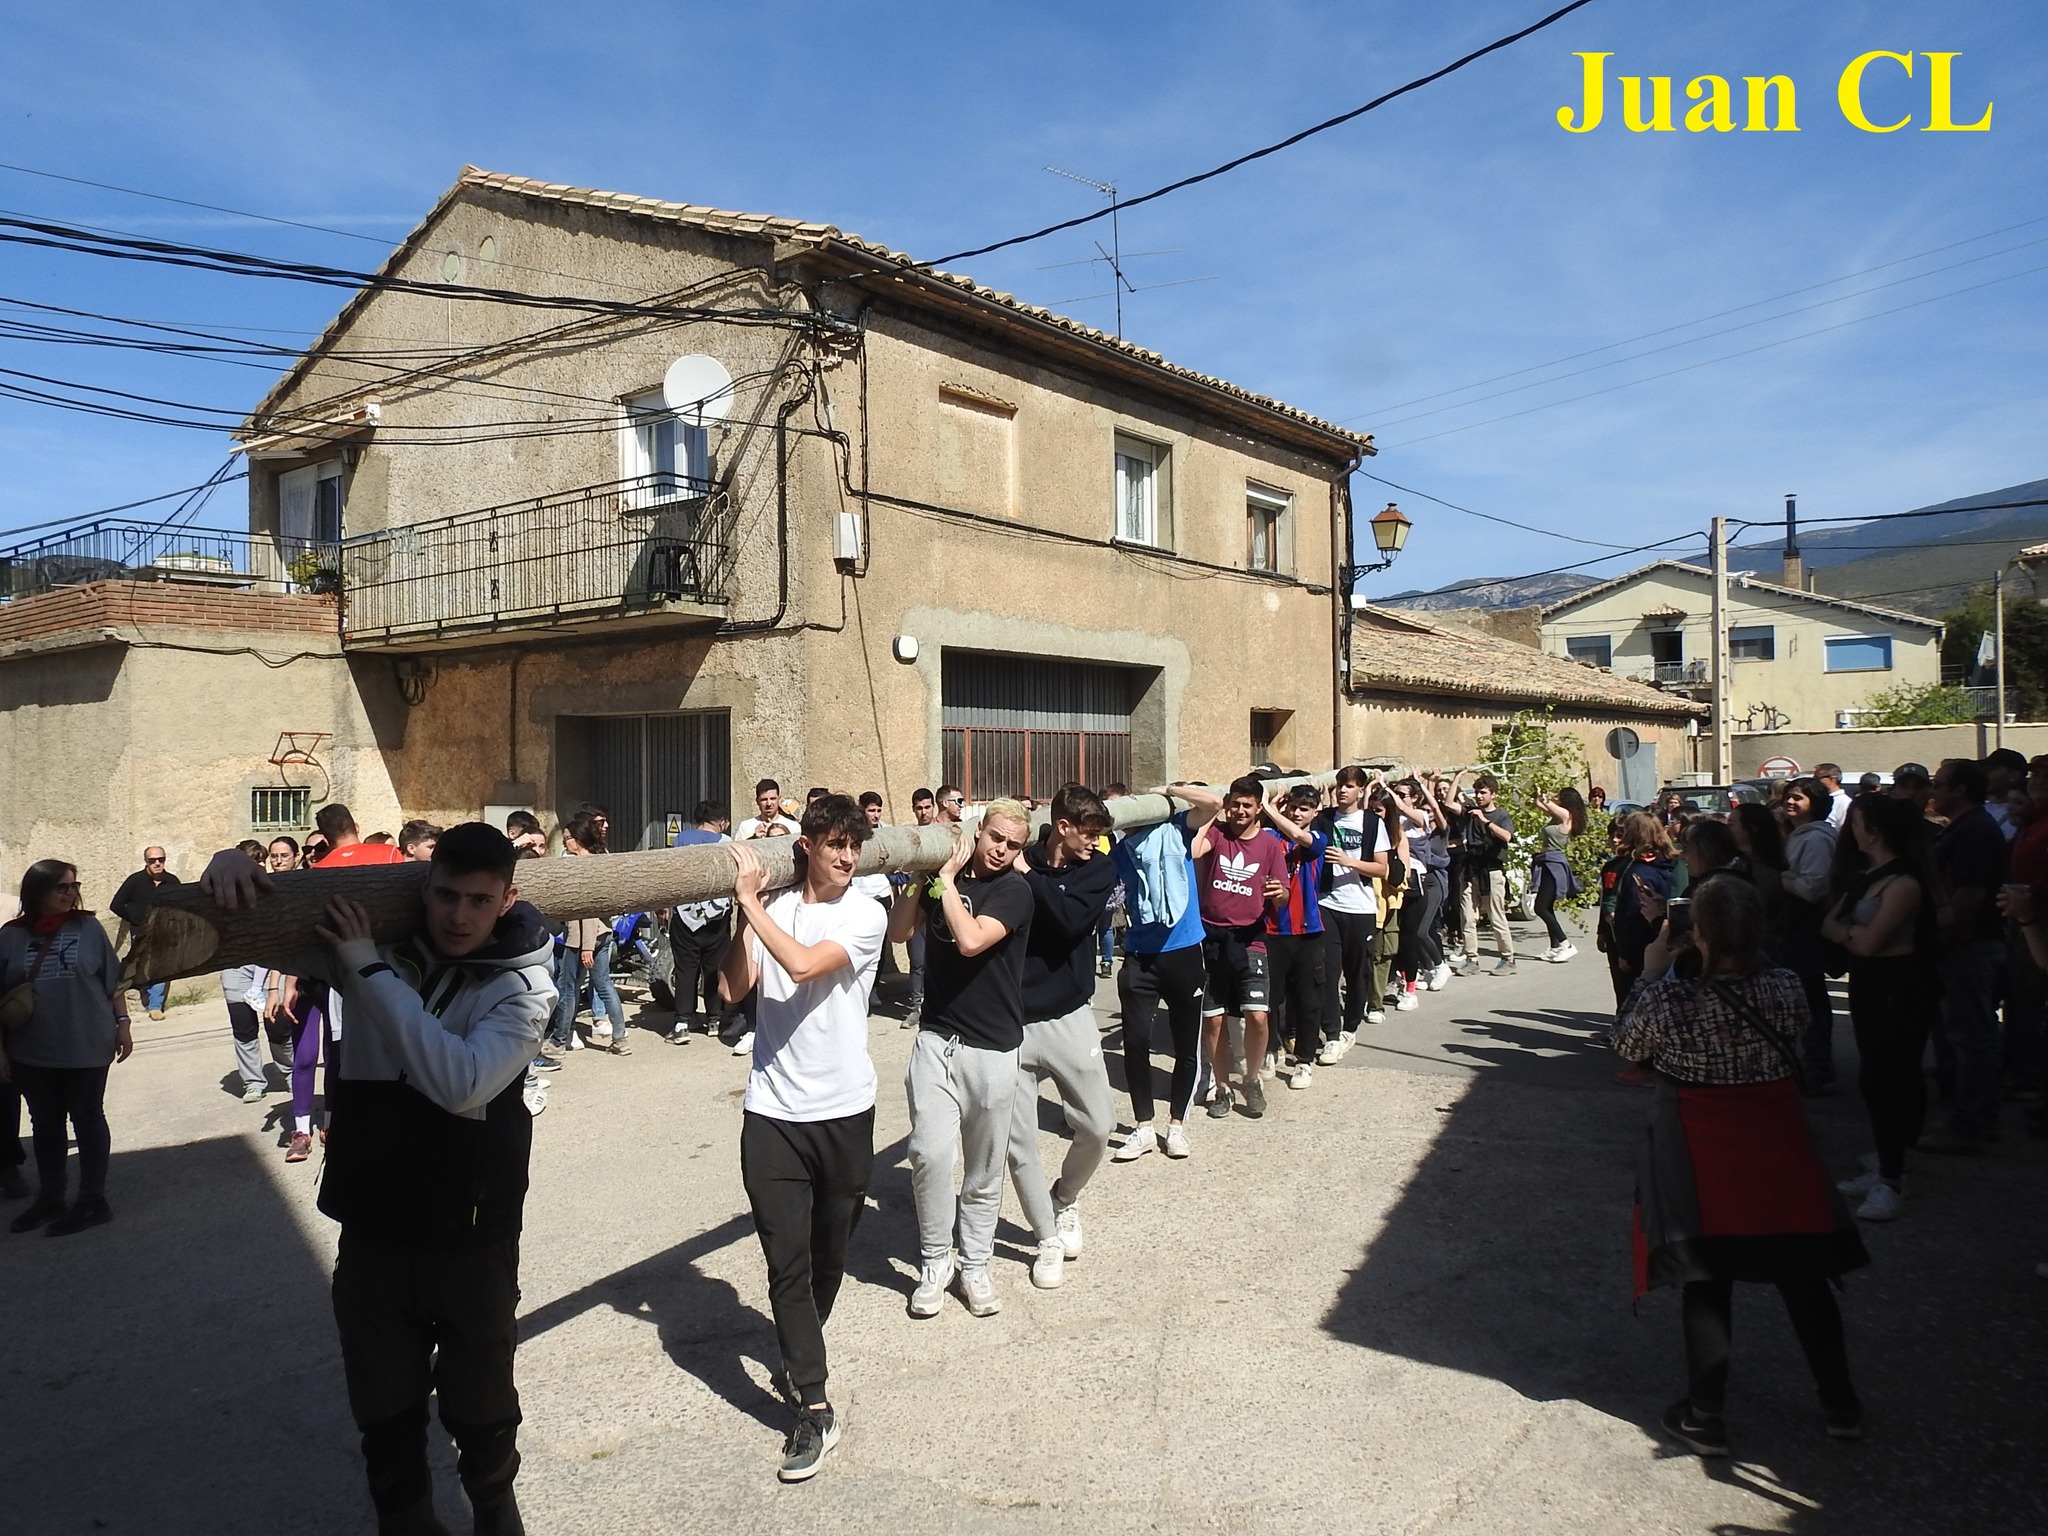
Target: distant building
(1798,660)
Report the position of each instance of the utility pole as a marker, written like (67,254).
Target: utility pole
(1724,764)
(1998,645)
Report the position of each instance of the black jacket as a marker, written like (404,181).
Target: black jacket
(1059,953)
(131,903)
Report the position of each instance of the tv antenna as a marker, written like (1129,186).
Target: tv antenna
(1114,258)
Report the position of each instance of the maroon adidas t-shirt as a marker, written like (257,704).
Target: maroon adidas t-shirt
(1233,875)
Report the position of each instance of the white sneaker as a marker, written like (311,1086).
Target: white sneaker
(1331,1053)
(1066,1221)
(1862,1184)
(1881,1204)
(1375,1016)
(1177,1142)
(744,1046)
(535,1100)
(979,1292)
(1439,978)
(1047,1270)
(1407,1003)
(1345,1040)
(930,1294)
(1144,1139)
(576,1042)
(1272,1066)
(1304,1075)
(600,1031)
(1563,952)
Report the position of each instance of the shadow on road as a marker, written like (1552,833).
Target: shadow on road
(1507,1256)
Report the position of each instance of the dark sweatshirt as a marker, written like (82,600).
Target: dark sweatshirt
(1059,954)
(131,903)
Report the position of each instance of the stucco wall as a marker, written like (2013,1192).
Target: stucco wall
(1795,683)
(1431,732)
(1880,751)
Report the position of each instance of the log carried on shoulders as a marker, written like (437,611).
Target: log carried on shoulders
(187,935)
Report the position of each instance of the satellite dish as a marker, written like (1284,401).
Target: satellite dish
(697,388)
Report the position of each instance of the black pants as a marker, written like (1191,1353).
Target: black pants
(1298,963)
(1892,1008)
(416,1319)
(807,1181)
(66,1103)
(1348,959)
(11,1154)
(698,952)
(1143,982)
(1422,949)
(1709,1315)
(1548,888)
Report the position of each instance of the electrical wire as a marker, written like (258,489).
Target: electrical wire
(1892,517)
(1506,522)
(1125,204)
(1555,570)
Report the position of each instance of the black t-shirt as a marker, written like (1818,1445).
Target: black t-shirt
(1971,856)
(1482,849)
(979,998)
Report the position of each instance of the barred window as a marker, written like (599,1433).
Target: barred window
(280,809)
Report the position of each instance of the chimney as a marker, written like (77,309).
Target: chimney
(1795,568)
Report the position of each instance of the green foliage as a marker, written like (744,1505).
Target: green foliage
(1921,704)
(1527,755)
(2026,647)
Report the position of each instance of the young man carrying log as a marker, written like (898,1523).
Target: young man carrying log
(427,1168)
(807,1142)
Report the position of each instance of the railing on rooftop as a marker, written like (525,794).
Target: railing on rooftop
(120,549)
(642,545)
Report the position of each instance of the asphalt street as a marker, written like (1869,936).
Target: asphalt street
(1398,1303)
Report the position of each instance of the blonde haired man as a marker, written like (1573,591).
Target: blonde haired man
(976,917)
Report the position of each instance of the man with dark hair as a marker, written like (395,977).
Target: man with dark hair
(814,794)
(1970,861)
(924,810)
(131,904)
(416,840)
(1485,830)
(1912,781)
(807,1143)
(2005,772)
(1238,865)
(698,935)
(345,845)
(952,803)
(426,1168)
(977,912)
(1830,776)
(1071,880)
(767,820)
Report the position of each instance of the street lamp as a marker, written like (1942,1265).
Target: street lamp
(1389,534)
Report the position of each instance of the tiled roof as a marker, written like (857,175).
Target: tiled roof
(1739,581)
(826,237)
(1400,652)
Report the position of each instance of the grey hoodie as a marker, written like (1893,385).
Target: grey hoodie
(73,1025)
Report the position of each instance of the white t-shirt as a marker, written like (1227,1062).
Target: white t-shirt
(811,1057)
(1363,837)
(1838,808)
(753,825)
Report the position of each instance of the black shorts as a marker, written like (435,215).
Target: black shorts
(1235,980)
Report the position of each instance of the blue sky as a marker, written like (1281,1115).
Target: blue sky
(1456,236)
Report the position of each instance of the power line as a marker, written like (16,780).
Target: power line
(1892,517)
(1506,522)
(1555,570)
(1271,149)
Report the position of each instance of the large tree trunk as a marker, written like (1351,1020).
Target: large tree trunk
(186,934)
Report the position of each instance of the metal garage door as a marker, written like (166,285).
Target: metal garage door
(644,768)
(1023,725)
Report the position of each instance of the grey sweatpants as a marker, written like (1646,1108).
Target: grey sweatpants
(1068,1050)
(960,1099)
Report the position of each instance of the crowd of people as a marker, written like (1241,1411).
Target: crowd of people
(1271,922)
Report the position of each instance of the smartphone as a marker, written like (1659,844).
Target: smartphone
(1678,911)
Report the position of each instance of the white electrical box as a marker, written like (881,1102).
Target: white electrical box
(846,537)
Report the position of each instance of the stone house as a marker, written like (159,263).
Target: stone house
(597,497)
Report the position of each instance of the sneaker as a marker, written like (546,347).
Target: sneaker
(546,1063)
(1392,994)
(86,1213)
(1331,1053)
(1565,951)
(600,1031)
(1345,1040)
(930,1294)
(1439,978)
(1375,1016)
(815,1433)
(1102,969)
(1047,1270)
(619,1047)
(915,1016)
(535,1100)
(680,1035)
(744,1046)
(1219,1103)
(1460,964)
(1254,1099)
(1144,1139)
(45,1208)
(1862,1184)
(1701,1433)
(1304,1076)
(576,1042)
(252,1093)
(1881,1204)
(1408,1004)
(1504,966)
(979,1292)
(300,1147)
(1066,1221)
(156,1013)
(1177,1145)
(1272,1069)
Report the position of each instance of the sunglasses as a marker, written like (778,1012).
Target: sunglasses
(152,861)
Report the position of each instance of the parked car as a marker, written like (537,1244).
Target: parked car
(1717,799)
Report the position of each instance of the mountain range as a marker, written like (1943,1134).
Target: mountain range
(1926,563)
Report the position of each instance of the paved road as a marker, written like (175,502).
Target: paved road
(1400,1303)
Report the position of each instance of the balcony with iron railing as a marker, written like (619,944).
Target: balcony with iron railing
(651,551)
(1681,676)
